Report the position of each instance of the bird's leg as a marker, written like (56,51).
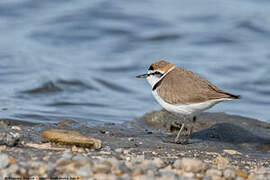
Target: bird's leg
(184,136)
(193,120)
(179,132)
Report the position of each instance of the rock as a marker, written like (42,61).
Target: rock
(119,168)
(79,157)
(5,122)
(105,176)
(66,123)
(168,176)
(84,171)
(189,174)
(131,139)
(8,137)
(239,178)
(241,173)
(119,150)
(143,177)
(68,137)
(4,160)
(221,162)
(232,152)
(67,155)
(213,173)
(189,165)
(101,169)
(158,162)
(138,172)
(229,174)
(16,128)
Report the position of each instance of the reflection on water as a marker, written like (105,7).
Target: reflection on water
(78,59)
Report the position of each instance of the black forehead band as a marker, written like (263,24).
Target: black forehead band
(151,68)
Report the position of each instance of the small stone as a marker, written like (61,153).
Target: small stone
(213,173)
(42,170)
(126,151)
(138,172)
(5,122)
(239,178)
(67,155)
(229,174)
(241,173)
(7,137)
(79,157)
(84,171)
(46,158)
(16,128)
(143,177)
(3,147)
(221,162)
(232,152)
(14,168)
(4,160)
(119,168)
(107,148)
(189,165)
(66,122)
(131,139)
(158,162)
(189,174)
(160,147)
(101,169)
(119,150)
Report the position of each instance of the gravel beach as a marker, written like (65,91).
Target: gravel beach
(222,147)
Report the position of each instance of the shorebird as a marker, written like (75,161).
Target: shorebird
(183,93)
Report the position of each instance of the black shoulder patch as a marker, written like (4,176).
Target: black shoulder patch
(151,68)
(157,84)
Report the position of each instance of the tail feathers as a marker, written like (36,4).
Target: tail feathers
(232,96)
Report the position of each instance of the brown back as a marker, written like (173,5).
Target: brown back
(181,86)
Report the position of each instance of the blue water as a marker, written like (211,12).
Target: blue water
(78,59)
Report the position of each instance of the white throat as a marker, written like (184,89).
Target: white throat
(152,80)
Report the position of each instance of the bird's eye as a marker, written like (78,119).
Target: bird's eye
(157,73)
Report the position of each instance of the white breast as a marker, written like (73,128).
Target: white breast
(186,109)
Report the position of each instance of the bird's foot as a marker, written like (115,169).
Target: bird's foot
(182,140)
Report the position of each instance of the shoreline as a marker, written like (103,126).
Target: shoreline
(225,146)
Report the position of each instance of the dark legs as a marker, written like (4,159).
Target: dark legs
(185,131)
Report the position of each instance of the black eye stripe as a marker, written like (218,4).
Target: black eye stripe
(155,73)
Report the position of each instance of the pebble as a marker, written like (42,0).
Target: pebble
(221,162)
(190,165)
(4,160)
(16,128)
(240,173)
(119,150)
(229,174)
(131,139)
(158,162)
(7,137)
(213,173)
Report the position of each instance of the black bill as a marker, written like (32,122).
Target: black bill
(142,76)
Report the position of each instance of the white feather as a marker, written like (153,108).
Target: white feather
(186,109)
